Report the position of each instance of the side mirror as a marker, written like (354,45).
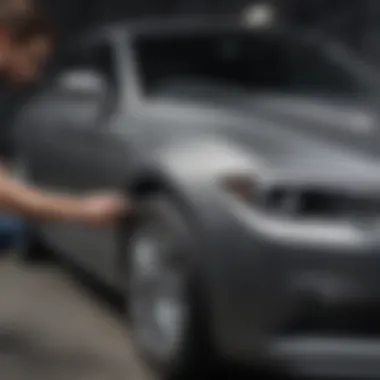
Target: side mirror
(82,81)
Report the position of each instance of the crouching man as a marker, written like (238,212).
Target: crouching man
(25,44)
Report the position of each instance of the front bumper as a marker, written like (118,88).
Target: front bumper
(329,357)
(312,308)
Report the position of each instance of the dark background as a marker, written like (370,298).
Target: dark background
(354,21)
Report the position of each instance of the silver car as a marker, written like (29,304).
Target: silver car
(253,156)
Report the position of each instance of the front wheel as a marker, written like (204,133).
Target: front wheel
(164,303)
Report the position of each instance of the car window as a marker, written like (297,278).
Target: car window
(260,62)
(312,70)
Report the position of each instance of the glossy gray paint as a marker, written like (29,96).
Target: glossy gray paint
(250,263)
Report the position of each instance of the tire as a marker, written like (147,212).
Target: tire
(166,313)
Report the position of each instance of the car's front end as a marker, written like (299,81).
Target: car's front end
(301,280)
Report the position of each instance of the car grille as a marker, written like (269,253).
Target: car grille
(321,204)
(359,321)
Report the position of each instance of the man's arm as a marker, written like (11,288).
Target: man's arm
(17,197)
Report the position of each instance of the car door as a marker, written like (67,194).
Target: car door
(73,149)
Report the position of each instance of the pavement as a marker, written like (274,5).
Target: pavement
(57,325)
(53,327)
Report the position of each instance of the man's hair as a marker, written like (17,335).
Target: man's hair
(25,25)
(19,7)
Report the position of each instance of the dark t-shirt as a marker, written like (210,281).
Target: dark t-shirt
(11,100)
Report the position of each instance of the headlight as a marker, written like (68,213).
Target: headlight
(243,186)
(299,201)
(271,199)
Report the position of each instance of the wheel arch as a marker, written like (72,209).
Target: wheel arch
(141,188)
(151,184)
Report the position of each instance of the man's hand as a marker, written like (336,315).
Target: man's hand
(18,197)
(104,209)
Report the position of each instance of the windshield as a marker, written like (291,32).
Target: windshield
(244,61)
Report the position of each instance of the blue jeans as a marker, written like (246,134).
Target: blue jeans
(11,231)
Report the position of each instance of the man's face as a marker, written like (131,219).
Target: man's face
(26,60)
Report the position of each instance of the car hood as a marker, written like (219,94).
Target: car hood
(351,122)
(318,138)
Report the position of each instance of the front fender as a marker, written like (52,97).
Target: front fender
(191,171)
(189,174)
(195,170)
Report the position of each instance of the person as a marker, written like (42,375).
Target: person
(26,42)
